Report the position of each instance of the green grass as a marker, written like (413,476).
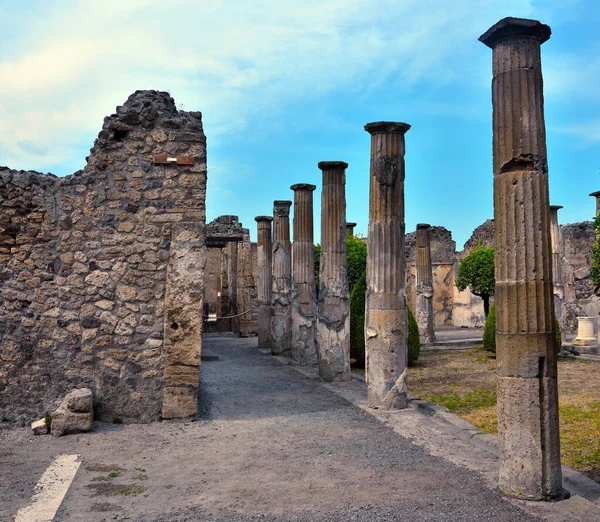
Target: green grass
(473,400)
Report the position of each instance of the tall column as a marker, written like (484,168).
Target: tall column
(303,277)
(350,229)
(333,318)
(281,295)
(263,283)
(424,290)
(557,277)
(597,196)
(526,350)
(386,321)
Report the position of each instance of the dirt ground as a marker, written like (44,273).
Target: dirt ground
(269,444)
(467,379)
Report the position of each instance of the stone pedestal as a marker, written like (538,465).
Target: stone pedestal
(525,343)
(586,332)
(557,276)
(304,305)
(281,294)
(386,320)
(333,319)
(424,287)
(263,283)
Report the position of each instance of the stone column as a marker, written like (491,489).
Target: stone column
(424,290)
(350,229)
(263,283)
(597,196)
(386,321)
(525,344)
(557,277)
(333,317)
(281,295)
(303,276)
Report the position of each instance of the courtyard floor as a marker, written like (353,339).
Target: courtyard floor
(276,444)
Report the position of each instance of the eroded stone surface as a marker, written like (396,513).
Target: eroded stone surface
(424,307)
(264,281)
(281,293)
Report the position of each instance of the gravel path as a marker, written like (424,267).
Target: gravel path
(270,444)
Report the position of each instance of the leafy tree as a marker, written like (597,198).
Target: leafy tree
(476,272)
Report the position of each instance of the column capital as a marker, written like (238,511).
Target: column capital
(349,224)
(332,165)
(281,208)
(423,226)
(303,186)
(595,194)
(510,28)
(263,218)
(379,127)
(558,207)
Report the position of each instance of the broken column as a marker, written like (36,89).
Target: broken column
(424,290)
(333,318)
(350,229)
(557,277)
(525,343)
(263,283)
(597,196)
(386,321)
(303,277)
(281,293)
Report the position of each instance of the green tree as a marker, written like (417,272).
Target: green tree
(476,272)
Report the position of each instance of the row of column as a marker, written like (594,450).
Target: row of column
(526,356)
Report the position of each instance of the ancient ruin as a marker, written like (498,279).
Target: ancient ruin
(424,308)
(526,350)
(386,322)
(102,271)
(333,318)
(264,281)
(281,294)
(304,306)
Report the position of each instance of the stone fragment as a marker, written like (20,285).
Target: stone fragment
(80,400)
(65,422)
(333,317)
(386,321)
(39,427)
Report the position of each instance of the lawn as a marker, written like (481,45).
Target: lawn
(465,382)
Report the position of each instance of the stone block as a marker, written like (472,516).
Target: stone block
(39,427)
(179,402)
(65,422)
(182,376)
(80,400)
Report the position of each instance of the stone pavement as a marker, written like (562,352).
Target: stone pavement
(276,444)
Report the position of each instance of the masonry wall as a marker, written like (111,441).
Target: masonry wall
(94,265)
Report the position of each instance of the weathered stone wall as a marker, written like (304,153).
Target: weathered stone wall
(93,265)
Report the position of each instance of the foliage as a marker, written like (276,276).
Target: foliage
(48,420)
(356,255)
(595,273)
(489,332)
(476,272)
(357,326)
(357,321)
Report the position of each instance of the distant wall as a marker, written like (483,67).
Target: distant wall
(94,265)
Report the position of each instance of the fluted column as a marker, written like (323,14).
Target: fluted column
(525,344)
(263,283)
(333,318)
(304,306)
(424,290)
(386,323)
(557,276)
(350,229)
(281,294)
(597,196)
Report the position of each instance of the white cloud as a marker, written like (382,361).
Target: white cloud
(73,62)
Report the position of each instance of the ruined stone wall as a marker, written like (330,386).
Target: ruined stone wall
(92,267)
(579,299)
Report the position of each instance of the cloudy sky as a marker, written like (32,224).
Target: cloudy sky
(283,85)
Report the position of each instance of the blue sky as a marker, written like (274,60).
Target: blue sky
(283,85)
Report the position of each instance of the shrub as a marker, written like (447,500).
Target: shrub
(489,332)
(357,326)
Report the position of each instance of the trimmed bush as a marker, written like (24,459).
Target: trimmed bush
(357,326)
(489,332)
(357,321)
